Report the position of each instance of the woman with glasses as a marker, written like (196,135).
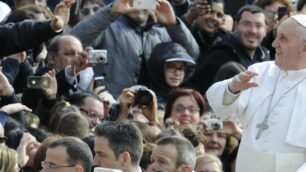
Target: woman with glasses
(169,65)
(184,107)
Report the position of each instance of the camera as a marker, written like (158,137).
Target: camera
(214,124)
(38,82)
(98,56)
(144,4)
(143,97)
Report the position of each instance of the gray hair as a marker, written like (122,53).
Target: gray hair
(186,153)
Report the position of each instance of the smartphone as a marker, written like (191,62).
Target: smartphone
(281,12)
(144,4)
(99,81)
(97,56)
(101,169)
(38,82)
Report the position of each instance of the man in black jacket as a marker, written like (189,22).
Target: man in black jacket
(242,47)
(21,36)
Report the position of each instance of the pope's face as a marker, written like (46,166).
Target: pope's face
(289,46)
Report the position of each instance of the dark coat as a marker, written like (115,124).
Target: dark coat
(17,37)
(229,49)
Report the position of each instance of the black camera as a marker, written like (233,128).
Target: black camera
(143,97)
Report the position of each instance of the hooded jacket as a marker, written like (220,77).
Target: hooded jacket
(163,52)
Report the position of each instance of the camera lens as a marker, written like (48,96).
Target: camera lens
(215,126)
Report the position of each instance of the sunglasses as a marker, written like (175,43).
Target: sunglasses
(3,139)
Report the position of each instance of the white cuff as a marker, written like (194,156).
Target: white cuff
(229,97)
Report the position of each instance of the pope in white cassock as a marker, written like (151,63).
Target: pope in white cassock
(270,101)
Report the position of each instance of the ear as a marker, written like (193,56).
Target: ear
(125,158)
(223,20)
(185,168)
(79,168)
(235,26)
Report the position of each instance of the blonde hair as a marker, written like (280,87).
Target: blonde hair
(8,159)
(205,158)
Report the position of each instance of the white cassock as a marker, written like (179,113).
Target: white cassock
(282,147)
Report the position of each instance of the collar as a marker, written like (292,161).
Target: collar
(294,74)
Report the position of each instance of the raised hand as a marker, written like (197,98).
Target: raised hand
(242,81)
(151,112)
(26,139)
(61,14)
(232,128)
(14,108)
(80,62)
(5,87)
(198,8)
(164,13)
(122,7)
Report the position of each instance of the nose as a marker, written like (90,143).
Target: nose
(275,43)
(214,138)
(154,166)
(95,161)
(186,112)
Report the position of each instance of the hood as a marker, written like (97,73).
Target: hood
(162,53)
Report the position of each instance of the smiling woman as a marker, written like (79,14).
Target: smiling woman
(185,106)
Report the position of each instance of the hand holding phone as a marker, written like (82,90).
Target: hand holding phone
(38,82)
(99,81)
(281,12)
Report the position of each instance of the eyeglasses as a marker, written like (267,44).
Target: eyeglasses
(3,139)
(172,68)
(51,165)
(92,114)
(190,109)
(270,14)
(86,11)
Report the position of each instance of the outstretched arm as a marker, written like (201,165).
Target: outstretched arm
(24,35)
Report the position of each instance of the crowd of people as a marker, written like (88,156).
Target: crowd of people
(178,87)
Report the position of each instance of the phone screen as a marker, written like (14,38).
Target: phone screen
(281,12)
